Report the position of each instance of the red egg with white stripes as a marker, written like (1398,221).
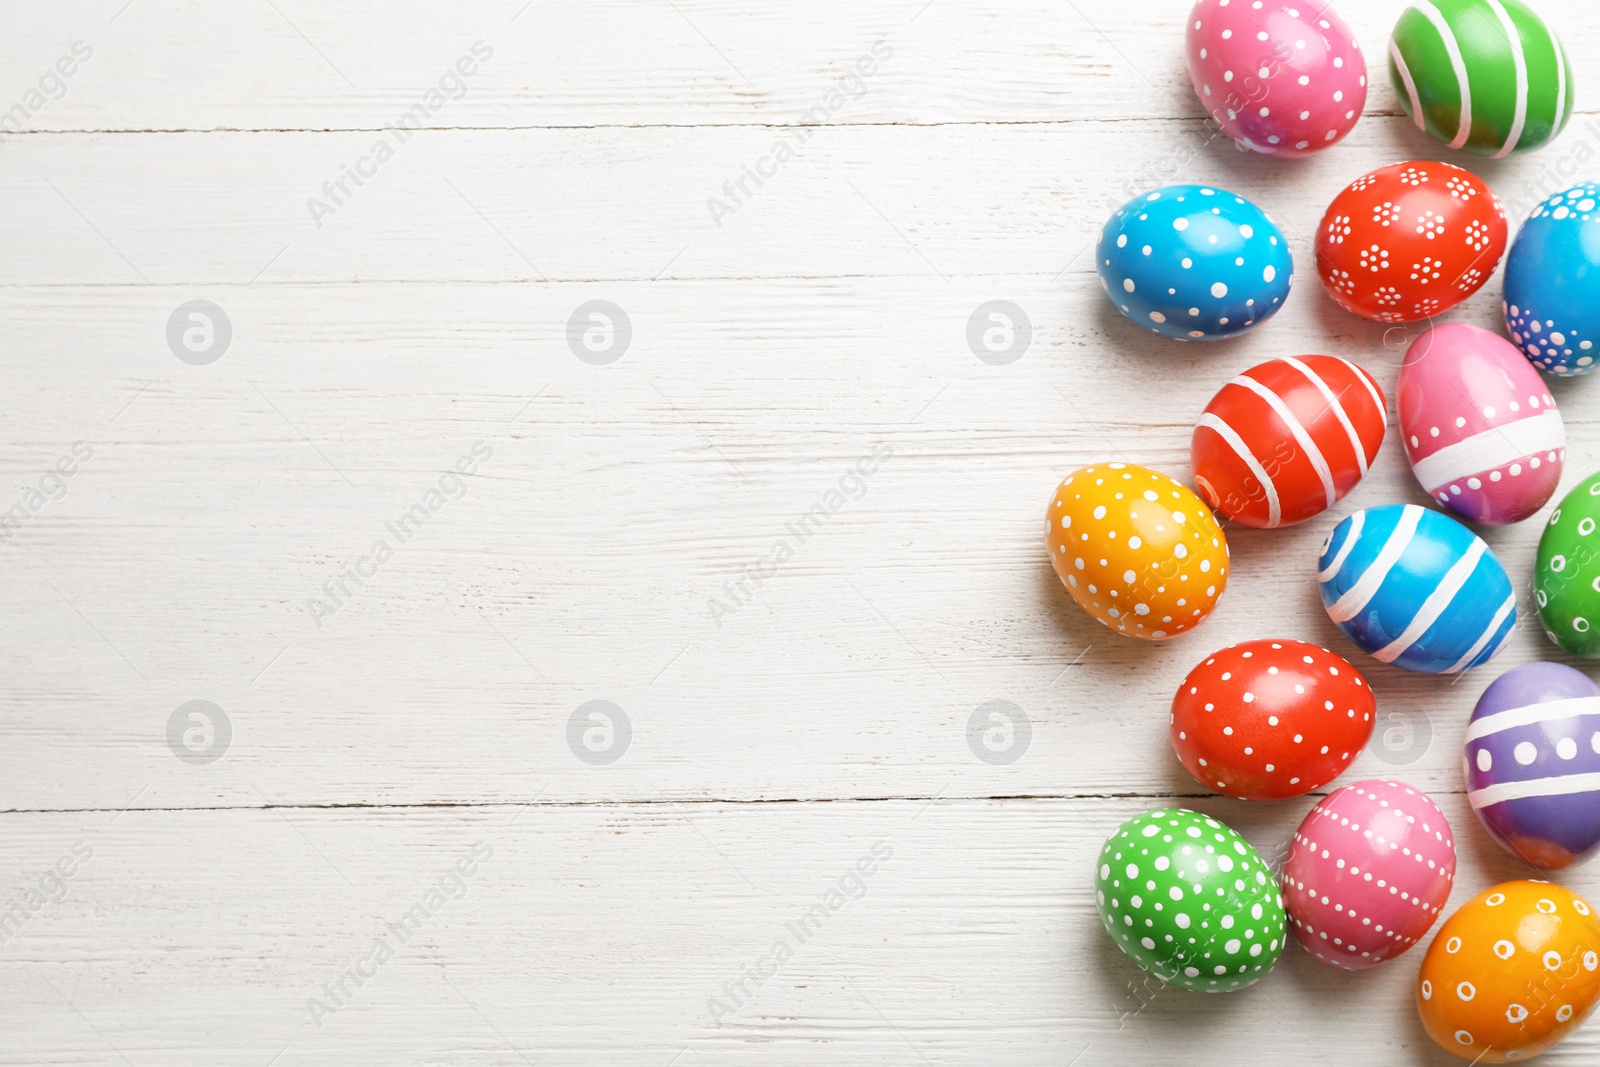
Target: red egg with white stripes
(1481,429)
(1264,720)
(1285,440)
(1367,873)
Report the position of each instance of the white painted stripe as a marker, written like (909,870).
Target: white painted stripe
(1561,81)
(1459,65)
(1242,450)
(1355,598)
(1532,715)
(1376,393)
(1559,786)
(1344,549)
(1411,86)
(1520,62)
(1434,606)
(1492,449)
(1477,646)
(1338,409)
(1307,445)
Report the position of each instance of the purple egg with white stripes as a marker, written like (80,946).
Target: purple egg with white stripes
(1532,764)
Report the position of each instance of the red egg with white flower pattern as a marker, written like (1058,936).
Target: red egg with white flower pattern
(1410,240)
(1264,720)
(1367,873)
(1287,439)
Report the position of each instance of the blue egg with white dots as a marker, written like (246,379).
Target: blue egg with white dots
(1194,263)
(1552,303)
(1417,589)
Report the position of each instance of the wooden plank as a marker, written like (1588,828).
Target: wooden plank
(299,65)
(602,206)
(594,555)
(619,935)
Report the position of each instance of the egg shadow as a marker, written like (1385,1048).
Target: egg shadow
(1076,627)
(1126,657)
(1381,344)
(1158,1005)
(1133,340)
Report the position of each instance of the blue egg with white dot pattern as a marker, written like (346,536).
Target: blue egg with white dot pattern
(1194,263)
(1552,303)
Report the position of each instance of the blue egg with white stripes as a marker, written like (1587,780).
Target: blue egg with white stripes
(1194,263)
(1416,589)
(1552,278)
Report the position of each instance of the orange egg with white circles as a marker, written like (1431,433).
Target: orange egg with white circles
(1514,972)
(1137,550)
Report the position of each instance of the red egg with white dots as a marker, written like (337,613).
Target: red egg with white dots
(1368,872)
(1264,720)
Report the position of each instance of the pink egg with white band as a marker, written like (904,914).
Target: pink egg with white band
(1480,427)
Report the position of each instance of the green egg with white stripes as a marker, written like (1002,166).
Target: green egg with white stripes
(1485,76)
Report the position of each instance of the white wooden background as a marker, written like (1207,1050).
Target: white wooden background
(826,317)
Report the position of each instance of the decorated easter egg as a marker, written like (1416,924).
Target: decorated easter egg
(1410,240)
(1417,589)
(1269,719)
(1287,439)
(1566,576)
(1481,430)
(1190,901)
(1279,77)
(1512,973)
(1532,763)
(1552,275)
(1137,550)
(1367,873)
(1194,263)
(1487,76)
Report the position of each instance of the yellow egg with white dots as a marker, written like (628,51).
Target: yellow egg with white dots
(1136,549)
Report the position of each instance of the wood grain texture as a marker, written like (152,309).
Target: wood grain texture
(620,934)
(295,64)
(609,206)
(613,541)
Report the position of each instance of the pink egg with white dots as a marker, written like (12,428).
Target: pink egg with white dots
(1480,427)
(1283,78)
(1367,873)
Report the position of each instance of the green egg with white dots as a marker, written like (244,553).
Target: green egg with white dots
(1566,578)
(1190,901)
